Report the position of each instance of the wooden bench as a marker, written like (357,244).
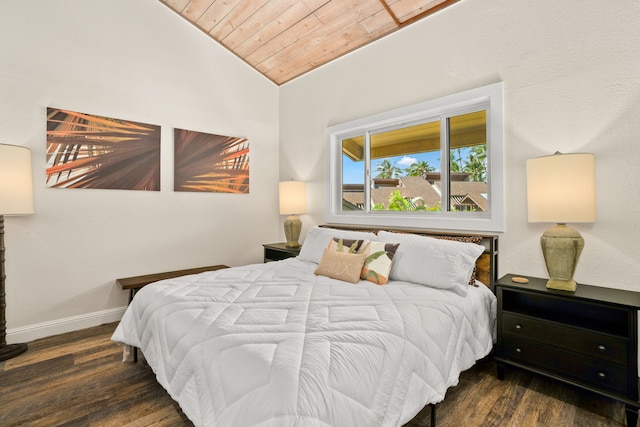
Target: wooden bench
(135,283)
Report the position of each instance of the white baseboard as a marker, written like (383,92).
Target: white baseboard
(61,326)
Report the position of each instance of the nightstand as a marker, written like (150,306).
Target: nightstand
(279,251)
(587,338)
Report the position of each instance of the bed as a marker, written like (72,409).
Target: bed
(287,344)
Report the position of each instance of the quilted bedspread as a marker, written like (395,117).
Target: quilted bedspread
(275,345)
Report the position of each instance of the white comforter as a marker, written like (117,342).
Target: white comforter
(275,345)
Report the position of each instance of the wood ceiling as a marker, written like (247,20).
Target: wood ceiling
(284,39)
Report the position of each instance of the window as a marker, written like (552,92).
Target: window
(437,164)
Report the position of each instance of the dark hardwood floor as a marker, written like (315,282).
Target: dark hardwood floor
(78,379)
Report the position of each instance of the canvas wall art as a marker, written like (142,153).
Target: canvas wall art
(88,151)
(210,163)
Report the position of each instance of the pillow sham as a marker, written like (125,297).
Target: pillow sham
(318,238)
(377,264)
(438,263)
(341,265)
(466,239)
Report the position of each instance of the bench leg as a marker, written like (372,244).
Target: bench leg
(433,414)
(132,293)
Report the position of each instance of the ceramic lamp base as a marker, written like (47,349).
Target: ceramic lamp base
(292,228)
(562,285)
(561,247)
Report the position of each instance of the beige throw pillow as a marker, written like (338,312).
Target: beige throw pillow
(341,265)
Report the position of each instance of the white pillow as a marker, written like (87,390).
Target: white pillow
(318,239)
(443,264)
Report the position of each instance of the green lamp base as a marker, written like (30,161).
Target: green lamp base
(561,248)
(562,285)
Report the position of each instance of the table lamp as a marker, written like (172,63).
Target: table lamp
(561,189)
(16,198)
(293,201)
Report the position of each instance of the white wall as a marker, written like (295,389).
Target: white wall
(570,71)
(570,76)
(140,61)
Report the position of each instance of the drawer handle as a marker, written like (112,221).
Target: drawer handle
(602,375)
(602,348)
(518,327)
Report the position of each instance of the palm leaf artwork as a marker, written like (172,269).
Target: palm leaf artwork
(87,151)
(210,163)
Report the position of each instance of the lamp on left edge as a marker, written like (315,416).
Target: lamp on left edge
(16,198)
(293,201)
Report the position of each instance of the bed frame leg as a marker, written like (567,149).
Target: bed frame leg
(433,414)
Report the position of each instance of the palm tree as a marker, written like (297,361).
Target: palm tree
(421,168)
(455,161)
(476,164)
(387,170)
(397,202)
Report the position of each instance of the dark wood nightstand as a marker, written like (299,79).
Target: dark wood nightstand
(279,251)
(133,284)
(587,338)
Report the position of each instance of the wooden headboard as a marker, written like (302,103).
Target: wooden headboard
(486,265)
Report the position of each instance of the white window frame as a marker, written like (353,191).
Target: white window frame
(489,98)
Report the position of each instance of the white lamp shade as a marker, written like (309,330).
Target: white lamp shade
(16,188)
(561,188)
(293,197)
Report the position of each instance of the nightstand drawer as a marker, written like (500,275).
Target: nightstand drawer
(599,373)
(271,255)
(588,343)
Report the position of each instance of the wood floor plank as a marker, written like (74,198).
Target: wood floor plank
(78,379)
(53,352)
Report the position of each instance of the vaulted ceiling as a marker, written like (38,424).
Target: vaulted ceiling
(284,39)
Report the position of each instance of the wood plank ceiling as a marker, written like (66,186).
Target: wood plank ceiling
(284,39)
